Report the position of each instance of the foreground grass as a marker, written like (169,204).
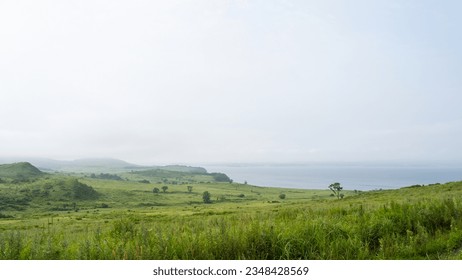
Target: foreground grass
(410,223)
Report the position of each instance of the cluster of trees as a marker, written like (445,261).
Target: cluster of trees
(144,181)
(206,196)
(106,176)
(157,190)
(165,188)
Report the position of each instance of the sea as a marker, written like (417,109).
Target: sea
(350,176)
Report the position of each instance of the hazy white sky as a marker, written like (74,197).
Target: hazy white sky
(231,81)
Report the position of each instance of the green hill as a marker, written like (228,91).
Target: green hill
(56,193)
(183,168)
(178,175)
(19,171)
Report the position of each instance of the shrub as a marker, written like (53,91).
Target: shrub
(144,181)
(206,197)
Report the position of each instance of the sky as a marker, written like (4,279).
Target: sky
(214,81)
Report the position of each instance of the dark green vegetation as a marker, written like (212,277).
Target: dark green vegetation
(80,217)
(56,194)
(106,176)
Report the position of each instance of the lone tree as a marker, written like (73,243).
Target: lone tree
(190,188)
(206,197)
(336,189)
(164,188)
(155,190)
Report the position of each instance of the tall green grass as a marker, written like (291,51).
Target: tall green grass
(425,229)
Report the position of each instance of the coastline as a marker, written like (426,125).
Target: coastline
(352,177)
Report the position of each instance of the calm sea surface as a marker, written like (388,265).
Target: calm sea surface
(350,177)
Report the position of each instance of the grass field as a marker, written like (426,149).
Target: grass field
(79,217)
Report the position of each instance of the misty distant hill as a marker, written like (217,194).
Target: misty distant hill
(40,163)
(110,162)
(19,171)
(80,165)
(97,165)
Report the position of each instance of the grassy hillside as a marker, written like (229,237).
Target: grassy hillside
(19,171)
(46,194)
(183,168)
(123,219)
(171,175)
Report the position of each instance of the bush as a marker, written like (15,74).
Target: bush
(206,197)
(282,196)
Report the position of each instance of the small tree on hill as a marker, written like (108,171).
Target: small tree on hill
(190,188)
(164,188)
(206,197)
(336,189)
(155,190)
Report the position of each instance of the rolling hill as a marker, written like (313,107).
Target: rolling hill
(20,171)
(97,165)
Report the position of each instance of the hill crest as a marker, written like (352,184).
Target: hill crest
(19,170)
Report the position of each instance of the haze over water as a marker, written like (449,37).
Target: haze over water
(351,177)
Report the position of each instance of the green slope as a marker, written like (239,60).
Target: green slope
(19,171)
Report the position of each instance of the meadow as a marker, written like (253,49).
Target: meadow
(92,217)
